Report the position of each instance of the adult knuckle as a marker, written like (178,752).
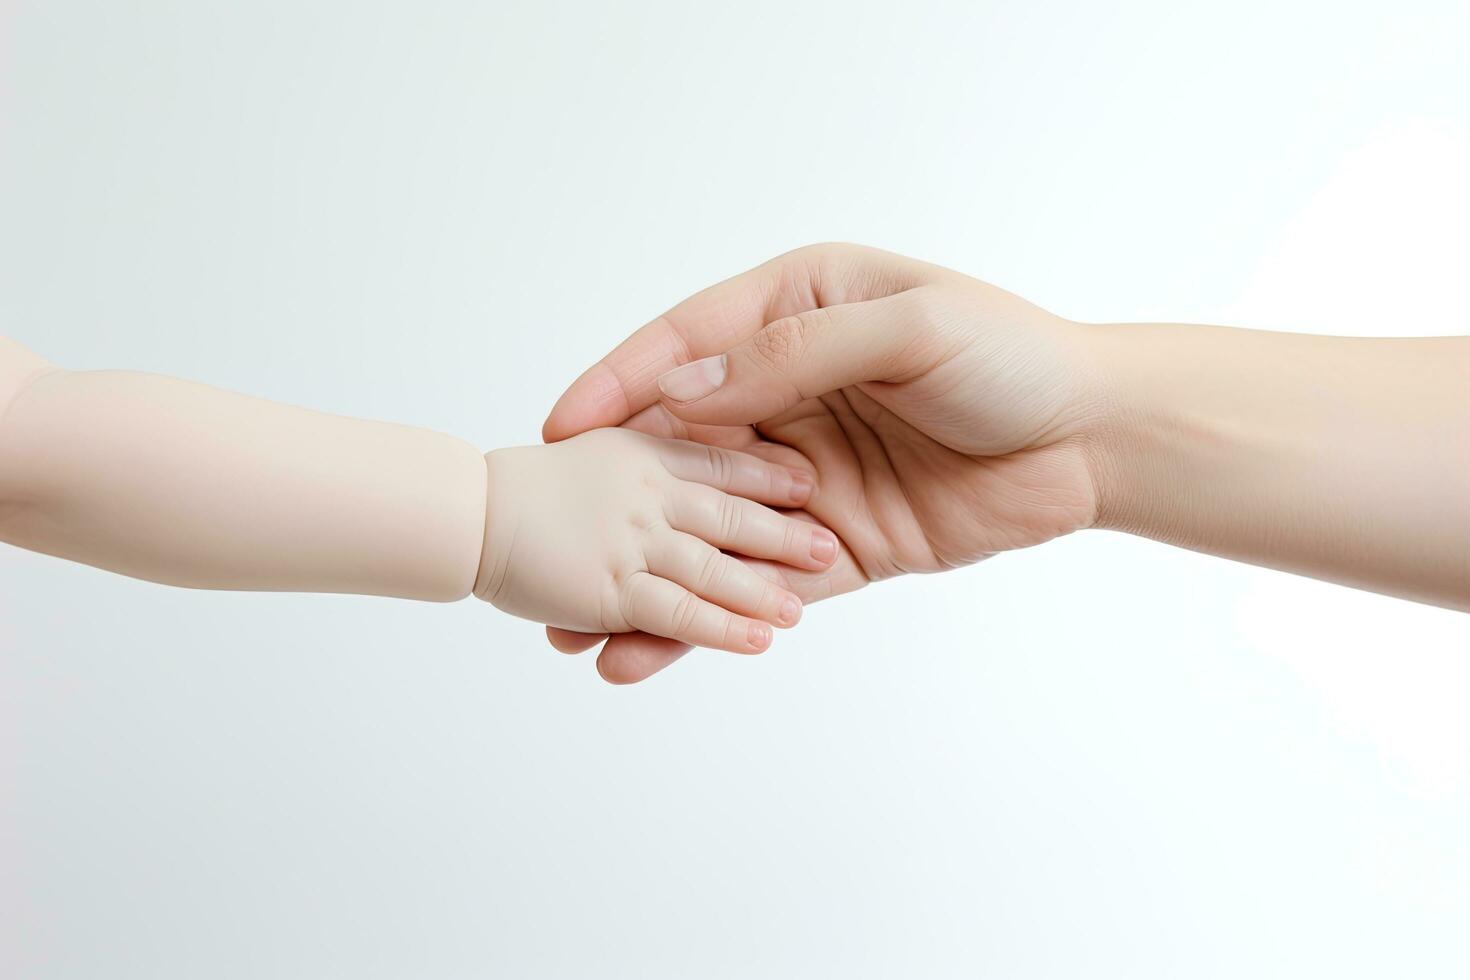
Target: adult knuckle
(928,317)
(780,344)
(828,249)
(924,304)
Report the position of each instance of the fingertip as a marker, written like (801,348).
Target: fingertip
(612,672)
(699,393)
(594,400)
(655,420)
(692,381)
(621,671)
(802,485)
(758,636)
(571,641)
(823,547)
(557,425)
(629,658)
(790,612)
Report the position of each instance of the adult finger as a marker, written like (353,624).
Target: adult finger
(716,319)
(570,641)
(628,658)
(806,355)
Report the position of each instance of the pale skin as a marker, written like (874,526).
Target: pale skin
(944,420)
(184,484)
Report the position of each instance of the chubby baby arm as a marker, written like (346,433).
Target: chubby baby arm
(615,531)
(180,483)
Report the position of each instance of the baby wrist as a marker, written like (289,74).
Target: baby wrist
(499,534)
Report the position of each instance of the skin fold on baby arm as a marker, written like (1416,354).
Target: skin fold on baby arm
(180,483)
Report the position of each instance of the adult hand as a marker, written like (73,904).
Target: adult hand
(944,420)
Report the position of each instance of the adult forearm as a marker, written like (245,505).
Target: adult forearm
(180,483)
(1341,458)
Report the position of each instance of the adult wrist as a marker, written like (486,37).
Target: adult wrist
(1147,431)
(1197,427)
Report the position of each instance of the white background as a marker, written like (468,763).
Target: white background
(1100,758)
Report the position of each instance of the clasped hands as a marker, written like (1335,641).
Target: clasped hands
(836,416)
(906,418)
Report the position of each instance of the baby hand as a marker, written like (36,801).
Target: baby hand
(615,531)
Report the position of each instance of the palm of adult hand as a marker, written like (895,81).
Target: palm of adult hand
(905,502)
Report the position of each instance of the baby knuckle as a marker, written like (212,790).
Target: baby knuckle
(618,606)
(721,467)
(730,519)
(711,572)
(792,536)
(685,610)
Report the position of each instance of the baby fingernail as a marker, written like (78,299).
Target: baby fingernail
(824,546)
(694,380)
(758,635)
(801,486)
(790,611)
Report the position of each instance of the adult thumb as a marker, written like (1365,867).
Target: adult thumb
(795,358)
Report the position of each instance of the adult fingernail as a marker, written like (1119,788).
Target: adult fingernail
(758,635)
(694,380)
(790,612)
(824,546)
(801,486)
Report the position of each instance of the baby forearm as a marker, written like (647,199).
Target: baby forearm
(180,483)
(1342,458)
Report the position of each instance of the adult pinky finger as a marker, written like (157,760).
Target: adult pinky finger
(656,605)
